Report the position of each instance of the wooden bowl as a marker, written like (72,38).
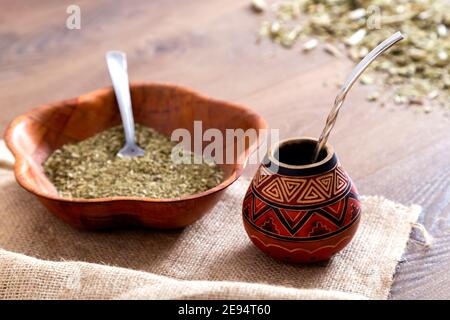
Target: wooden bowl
(33,136)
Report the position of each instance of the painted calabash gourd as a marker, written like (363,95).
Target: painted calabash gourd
(300,212)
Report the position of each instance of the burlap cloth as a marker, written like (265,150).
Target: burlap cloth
(211,259)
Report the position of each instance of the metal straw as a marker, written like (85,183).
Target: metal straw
(357,71)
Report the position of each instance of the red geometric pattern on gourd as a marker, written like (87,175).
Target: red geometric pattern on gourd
(261,176)
(271,223)
(301,191)
(258,208)
(301,223)
(293,217)
(316,225)
(353,208)
(336,209)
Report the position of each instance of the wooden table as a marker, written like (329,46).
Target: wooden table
(210,46)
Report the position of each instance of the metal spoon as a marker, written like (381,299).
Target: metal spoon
(117,66)
(357,71)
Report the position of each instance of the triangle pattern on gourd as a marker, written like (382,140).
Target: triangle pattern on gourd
(311,194)
(292,217)
(337,209)
(259,207)
(326,183)
(262,176)
(292,186)
(274,190)
(340,181)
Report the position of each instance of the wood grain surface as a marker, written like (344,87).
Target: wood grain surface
(210,45)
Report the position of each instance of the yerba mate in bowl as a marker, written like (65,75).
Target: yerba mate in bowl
(34,136)
(91,168)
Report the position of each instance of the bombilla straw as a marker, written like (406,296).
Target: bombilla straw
(357,71)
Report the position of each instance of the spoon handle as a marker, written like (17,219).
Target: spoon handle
(117,66)
(351,79)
